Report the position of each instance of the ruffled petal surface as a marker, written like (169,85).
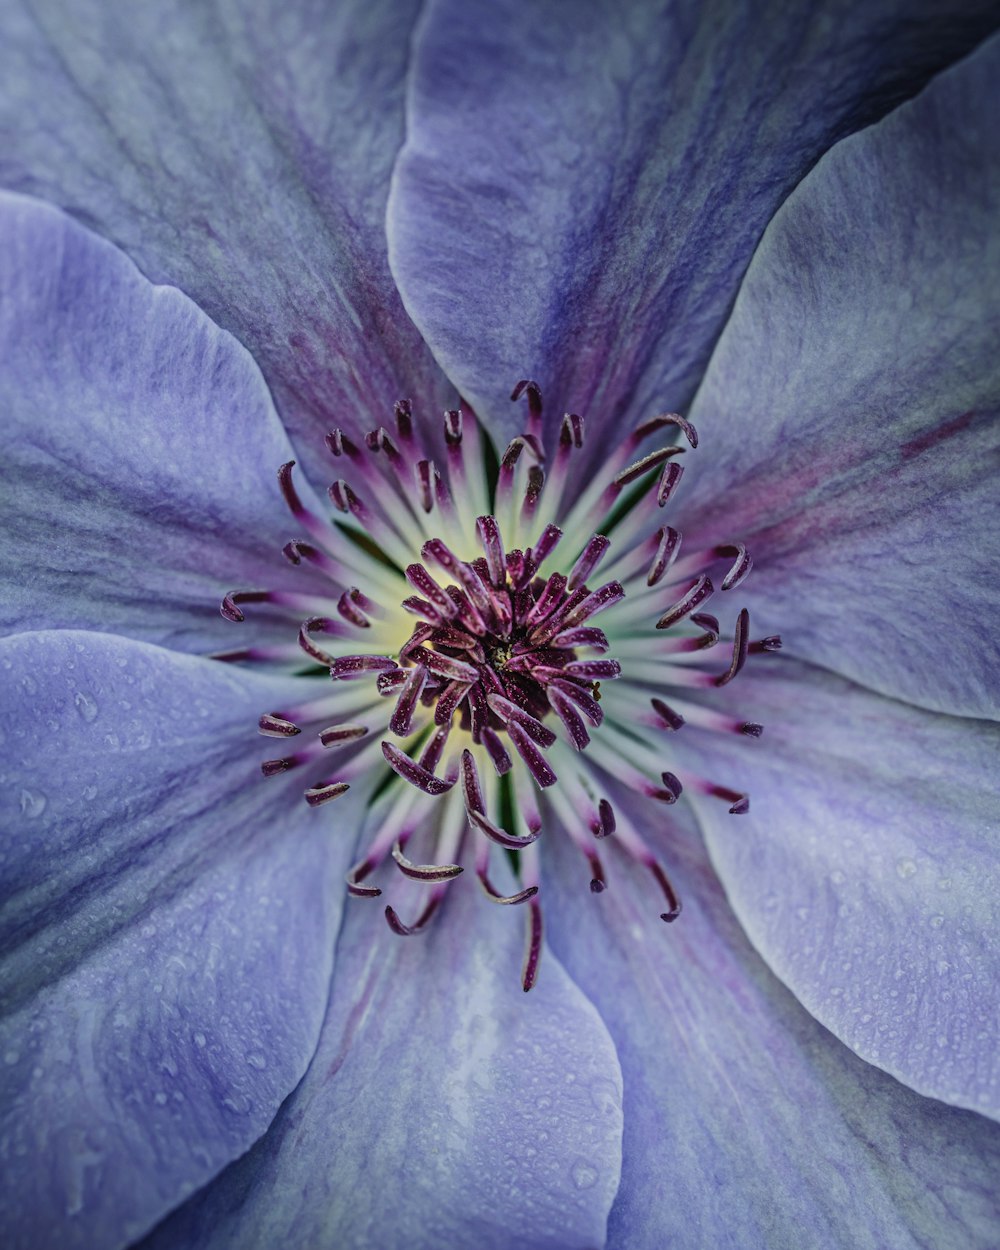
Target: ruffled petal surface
(140,447)
(746,1123)
(444,1109)
(583,184)
(866,872)
(168,927)
(241,151)
(861,363)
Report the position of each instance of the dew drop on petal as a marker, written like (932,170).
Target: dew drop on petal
(32,803)
(583,1174)
(86,706)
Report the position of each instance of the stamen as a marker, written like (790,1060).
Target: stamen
(273,726)
(414,773)
(502,656)
(588,560)
(694,598)
(740,648)
(402,930)
(423,872)
(533,952)
(318,795)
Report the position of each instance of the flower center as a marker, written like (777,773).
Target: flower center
(465,607)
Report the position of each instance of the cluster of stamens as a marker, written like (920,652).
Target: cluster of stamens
(483,674)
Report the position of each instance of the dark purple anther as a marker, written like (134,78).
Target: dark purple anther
(271,768)
(570,717)
(348,607)
(534,396)
(412,772)
(705,620)
(740,648)
(547,542)
(581,636)
(340,445)
(597,601)
(418,577)
(339,734)
(644,430)
(423,872)
(403,411)
(571,431)
(453,427)
(471,788)
(273,726)
(588,560)
(694,598)
(403,930)
(425,484)
(536,762)
(532,492)
(496,751)
(401,721)
(582,697)
(489,536)
(508,840)
(594,670)
(671,719)
(495,896)
(669,478)
(666,552)
(533,953)
(672,786)
(352,667)
(646,465)
(742,564)
(316,796)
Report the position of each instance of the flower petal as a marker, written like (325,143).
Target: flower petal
(140,446)
(746,1123)
(861,360)
(583,184)
(444,1109)
(240,151)
(866,870)
(167,928)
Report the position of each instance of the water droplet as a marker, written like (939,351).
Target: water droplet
(32,803)
(604,1095)
(90,792)
(86,706)
(584,1176)
(200,1040)
(257,1061)
(936,922)
(160,1099)
(905,868)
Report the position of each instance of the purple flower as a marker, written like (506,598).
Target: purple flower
(781,223)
